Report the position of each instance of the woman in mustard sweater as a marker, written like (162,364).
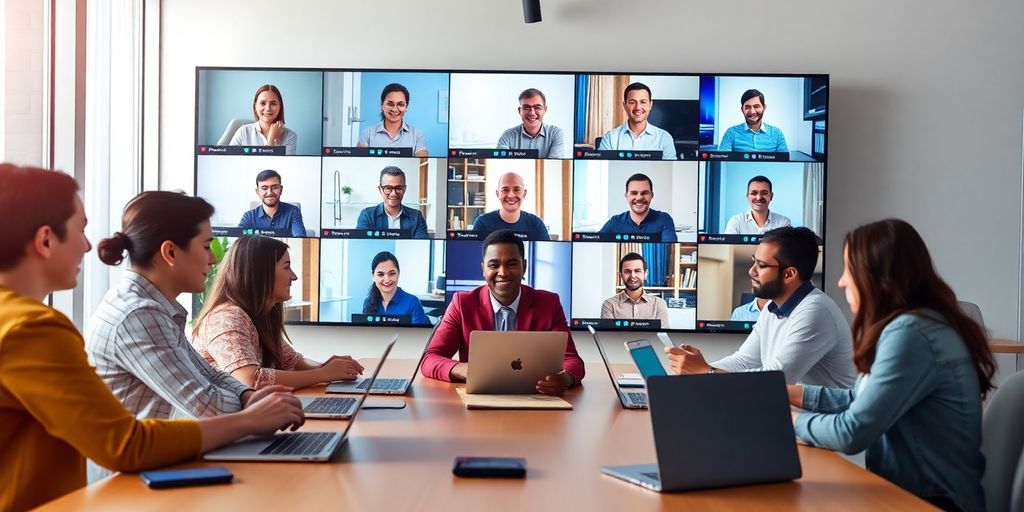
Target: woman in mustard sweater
(54,409)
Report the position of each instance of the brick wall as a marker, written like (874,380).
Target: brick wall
(23,122)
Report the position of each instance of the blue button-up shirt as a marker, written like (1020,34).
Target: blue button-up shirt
(746,312)
(917,412)
(288,217)
(408,137)
(403,303)
(654,222)
(651,139)
(742,138)
(374,217)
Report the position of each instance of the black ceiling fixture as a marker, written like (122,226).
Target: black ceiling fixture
(531,11)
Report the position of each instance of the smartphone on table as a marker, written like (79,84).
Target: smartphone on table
(168,478)
(646,358)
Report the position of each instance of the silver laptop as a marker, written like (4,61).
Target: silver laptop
(295,446)
(511,362)
(328,407)
(628,399)
(385,385)
(716,431)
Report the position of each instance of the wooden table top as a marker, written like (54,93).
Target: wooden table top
(401,460)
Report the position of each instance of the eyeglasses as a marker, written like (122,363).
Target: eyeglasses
(400,104)
(388,189)
(761,266)
(532,108)
(275,188)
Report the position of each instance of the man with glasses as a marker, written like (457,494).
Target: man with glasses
(510,215)
(800,331)
(533,133)
(273,214)
(759,218)
(390,214)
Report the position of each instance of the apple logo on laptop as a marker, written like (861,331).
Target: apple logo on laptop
(517,364)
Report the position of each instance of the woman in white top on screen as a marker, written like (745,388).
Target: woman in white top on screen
(269,128)
(393,131)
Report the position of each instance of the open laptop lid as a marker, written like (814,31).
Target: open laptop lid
(722,429)
(366,392)
(607,364)
(356,386)
(511,362)
(423,352)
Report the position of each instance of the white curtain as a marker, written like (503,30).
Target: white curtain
(113,133)
(814,196)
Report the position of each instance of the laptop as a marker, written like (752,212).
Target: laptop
(385,385)
(715,431)
(628,399)
(294,446)
(328,407)
(511,362)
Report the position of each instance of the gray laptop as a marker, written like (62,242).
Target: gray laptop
(294,446)
(385,385)
(628,399)
(716,431)
(328,407)
(511,362)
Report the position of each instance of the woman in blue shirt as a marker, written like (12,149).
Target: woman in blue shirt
(385,297)
(924,368)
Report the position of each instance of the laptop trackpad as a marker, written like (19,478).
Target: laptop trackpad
(384,403)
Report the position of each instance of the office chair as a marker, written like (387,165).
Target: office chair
(1002,443)
(972,310)
(230,129)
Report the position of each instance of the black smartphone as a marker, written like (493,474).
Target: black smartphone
(168,478)
(490,467)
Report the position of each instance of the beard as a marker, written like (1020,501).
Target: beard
(634,286)
(769,290)
(271,201)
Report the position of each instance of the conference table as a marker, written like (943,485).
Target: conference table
(401,459)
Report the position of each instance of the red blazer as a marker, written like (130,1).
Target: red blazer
(539,310)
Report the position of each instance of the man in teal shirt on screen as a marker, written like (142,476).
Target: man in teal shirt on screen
(754,134)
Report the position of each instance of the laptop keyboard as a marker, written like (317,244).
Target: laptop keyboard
(330,405)
(299,443)
(384,384)
(637,398)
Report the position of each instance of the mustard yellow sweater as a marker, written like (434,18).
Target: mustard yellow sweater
(55,411)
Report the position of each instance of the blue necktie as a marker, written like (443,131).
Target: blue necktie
(506,319)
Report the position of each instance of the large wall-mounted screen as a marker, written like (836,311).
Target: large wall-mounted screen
(639,197)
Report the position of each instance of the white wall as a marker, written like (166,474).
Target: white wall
(925,119)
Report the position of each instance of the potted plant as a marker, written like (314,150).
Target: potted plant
(218,246)
(346,194)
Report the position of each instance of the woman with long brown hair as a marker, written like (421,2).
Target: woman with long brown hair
(268,129)
(924,366)
(241,327)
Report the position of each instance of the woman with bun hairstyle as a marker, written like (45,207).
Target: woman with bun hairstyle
(136,337)
(54,410)
(269,128)
(241,327)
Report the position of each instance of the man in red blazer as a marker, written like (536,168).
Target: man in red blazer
(504,264)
